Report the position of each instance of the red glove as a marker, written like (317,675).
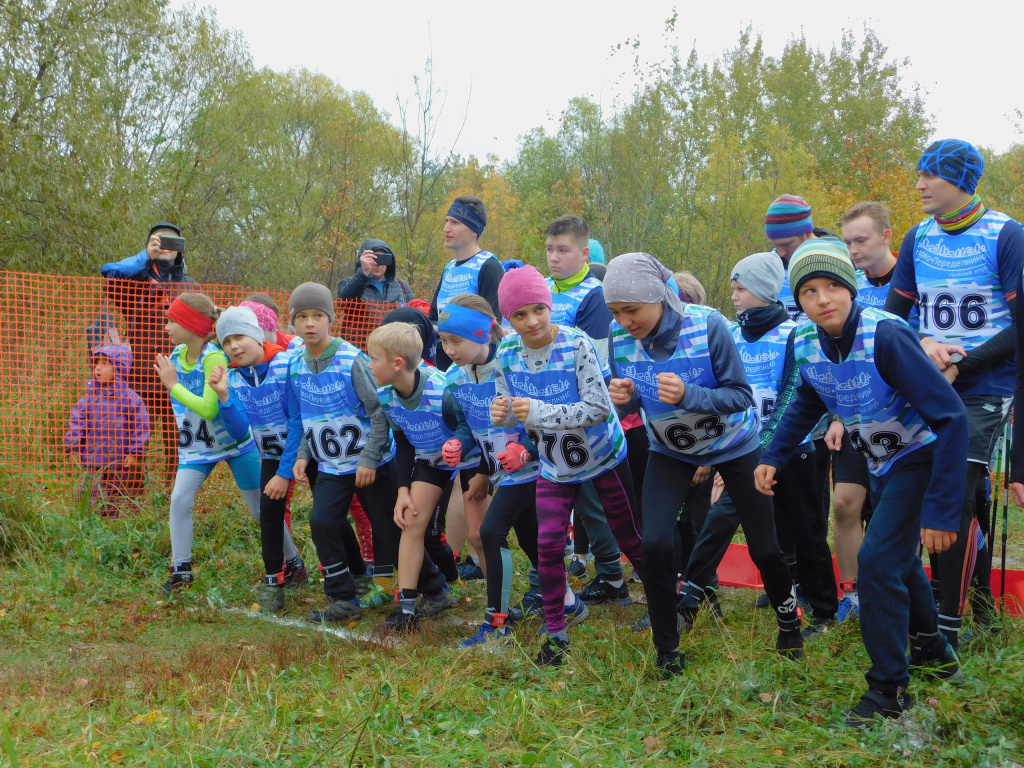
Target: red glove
(452,452)
(513,457)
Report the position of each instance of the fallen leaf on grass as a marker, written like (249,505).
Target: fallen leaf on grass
(814,718)
(202,714)
(653,744)
(129,684)
(116,757)
(301,634)
(3,612)
(153,716)
(39,730)
(777,751)
(766,697)
(308,600)
(81,682)
(255,607)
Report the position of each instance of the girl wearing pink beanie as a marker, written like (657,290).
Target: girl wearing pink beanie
(549,379)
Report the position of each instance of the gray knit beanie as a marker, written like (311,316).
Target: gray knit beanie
(310,296)
(238,321)
(822,257)
(762,274)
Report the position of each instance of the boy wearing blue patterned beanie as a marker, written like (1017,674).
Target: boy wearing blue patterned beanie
(962,267)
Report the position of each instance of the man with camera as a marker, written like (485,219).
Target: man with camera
(374,276)
(141,287)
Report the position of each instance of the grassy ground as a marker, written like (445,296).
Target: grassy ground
(96,669)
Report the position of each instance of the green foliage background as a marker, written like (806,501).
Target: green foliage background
(116,114)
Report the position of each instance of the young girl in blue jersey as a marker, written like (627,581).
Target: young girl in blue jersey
(550,380)
(334,413)
(868,367)
(470,335)
(430,430)
(253,394)
(679,365)
(203,438)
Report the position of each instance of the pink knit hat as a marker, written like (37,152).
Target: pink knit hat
(521,287)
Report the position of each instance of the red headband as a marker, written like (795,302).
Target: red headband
(192,320)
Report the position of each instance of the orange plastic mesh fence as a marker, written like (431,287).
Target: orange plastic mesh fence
(54,325)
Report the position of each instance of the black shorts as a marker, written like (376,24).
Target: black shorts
(442,477)
(986,415)
(850,466)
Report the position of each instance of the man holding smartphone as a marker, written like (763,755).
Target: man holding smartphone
(141,287)
(374,276)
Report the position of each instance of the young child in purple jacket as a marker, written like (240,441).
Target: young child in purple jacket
(108,432)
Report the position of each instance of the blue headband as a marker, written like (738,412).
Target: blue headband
(467,216)
(465,322)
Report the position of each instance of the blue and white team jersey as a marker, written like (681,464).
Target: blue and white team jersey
(334,420)
(564,306)
(786,297)
(266,405)
(295,345)
(457,279)
(202,441)
(566,455)
(881,423)
(691,434)
(764,362)
(962,300)
(874,296)
(424,425)
(475,401)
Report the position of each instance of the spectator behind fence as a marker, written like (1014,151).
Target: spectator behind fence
(108,432)
(142,289)
(374,278)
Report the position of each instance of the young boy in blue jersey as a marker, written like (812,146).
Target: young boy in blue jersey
(962,265)
(762,335)
(253,395)
(680,366)
(334,419)
(868,367)
(473,270)
(577,301)
(434,442)
(868,234)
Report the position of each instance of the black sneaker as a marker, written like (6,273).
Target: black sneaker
(430,606)
(398,622)
(530,607)
(944,667)
(790,645)
(600,591)
(876,704)
(181,578)
(295,575)
(670,664)
(552,652)
(336,610)
(762,601)
(817,627)
(577,569)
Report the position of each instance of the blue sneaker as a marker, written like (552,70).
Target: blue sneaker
(470,571)
(486,635)
(530,606)
(847,610)
(575,614)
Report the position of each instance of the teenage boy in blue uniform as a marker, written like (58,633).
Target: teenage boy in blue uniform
(868,367)
(962,265)
(473,270)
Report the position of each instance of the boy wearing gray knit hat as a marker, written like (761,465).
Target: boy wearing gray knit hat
(311,296)
(238,321)
(762,274)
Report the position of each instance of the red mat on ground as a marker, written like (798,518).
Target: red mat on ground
(737,570)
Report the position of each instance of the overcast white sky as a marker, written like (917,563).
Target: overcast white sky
(508,67)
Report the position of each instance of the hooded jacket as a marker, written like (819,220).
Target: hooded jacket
(394,290)
(110,421)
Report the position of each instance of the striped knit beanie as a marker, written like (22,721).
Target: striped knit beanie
(820,257)
(787,216)
(956,161)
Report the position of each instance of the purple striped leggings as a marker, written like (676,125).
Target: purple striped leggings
(554,503)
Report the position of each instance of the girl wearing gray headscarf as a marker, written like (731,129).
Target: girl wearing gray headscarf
(680,366)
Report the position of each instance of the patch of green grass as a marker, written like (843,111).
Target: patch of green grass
(97,669)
